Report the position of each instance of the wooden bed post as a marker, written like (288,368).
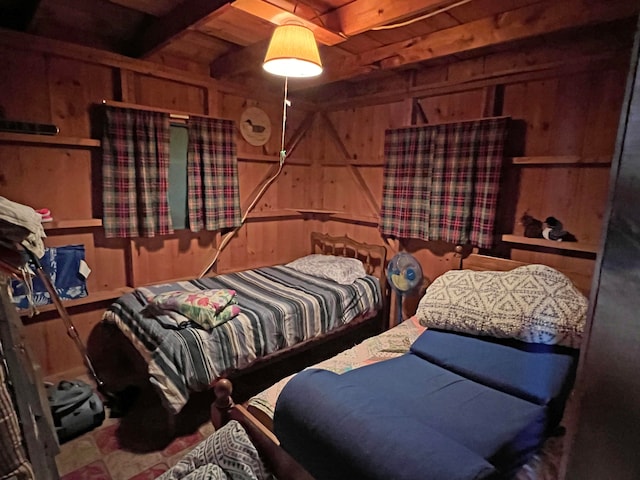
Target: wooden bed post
(223,409)
(223,403)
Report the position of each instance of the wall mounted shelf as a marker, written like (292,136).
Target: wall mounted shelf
(315,211)
(256,157)
(573,160)
(272,214)
(358,219)
(543,242)
(89,299)
(72,224)
(25,138)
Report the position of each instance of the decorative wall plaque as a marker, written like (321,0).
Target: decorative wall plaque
(255,126)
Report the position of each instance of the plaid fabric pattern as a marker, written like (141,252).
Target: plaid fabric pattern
(213,195)
(135,168)
(13,456)
(441,182)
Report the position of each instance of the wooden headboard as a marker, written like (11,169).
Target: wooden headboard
(374,257)
(483,262)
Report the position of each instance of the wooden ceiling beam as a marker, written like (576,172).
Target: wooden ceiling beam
(182,17)
(525,22)
(351,19)
(362,15)
(157,8)
(240,61)
(279,16)
(337,25)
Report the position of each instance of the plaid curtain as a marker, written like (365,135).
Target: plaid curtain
(135,166)
(441,182)
(213,196)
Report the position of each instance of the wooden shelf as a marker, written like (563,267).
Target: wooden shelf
(72,224)
(318,211)
(256,157)
(306,212)
(283,213)
(563,160)
(289,213)
(23,138)
(91,298)
(359,219)
(543,242)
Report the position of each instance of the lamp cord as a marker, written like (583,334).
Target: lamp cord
(286,103)
(283,154)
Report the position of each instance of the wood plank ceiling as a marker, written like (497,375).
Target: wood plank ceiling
(358,38)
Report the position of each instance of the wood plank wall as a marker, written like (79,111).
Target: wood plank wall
(564,99)
(54,82)
(565,96)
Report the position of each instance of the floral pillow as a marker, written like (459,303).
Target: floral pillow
(207,308)
(341,270)
(533,303)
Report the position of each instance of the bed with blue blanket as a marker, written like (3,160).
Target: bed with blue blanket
(476,385)
(269,311)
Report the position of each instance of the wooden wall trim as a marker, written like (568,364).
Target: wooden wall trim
(127,87)
(353,170)
(540,71)
(170,111)
(25,41)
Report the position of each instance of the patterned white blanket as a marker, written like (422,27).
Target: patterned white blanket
(227,454)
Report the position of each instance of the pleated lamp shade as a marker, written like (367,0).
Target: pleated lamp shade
(293,52)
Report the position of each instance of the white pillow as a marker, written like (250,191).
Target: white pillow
(342,270)
(534,303)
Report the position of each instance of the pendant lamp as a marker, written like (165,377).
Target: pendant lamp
(293,52)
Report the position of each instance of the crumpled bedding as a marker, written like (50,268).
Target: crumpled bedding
(227,454)
(29,229)
(208,308)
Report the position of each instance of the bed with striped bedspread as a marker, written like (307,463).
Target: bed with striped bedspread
(280,307)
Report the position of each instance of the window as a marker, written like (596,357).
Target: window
(157,177)
(177,192)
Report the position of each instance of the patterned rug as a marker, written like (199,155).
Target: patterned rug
(138,446)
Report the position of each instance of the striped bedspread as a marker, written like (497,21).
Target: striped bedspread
(279,308)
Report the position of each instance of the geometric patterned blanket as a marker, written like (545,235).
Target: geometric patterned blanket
(227,454)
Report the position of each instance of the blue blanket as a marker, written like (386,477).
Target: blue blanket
(454,407)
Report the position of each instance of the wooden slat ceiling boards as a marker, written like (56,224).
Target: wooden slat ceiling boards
(228,38)
(157,8)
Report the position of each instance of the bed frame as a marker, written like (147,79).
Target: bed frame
(268,369)
(224,409)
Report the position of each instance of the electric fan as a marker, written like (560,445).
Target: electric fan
(404,274)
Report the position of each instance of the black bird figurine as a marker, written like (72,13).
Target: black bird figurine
(255,128)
